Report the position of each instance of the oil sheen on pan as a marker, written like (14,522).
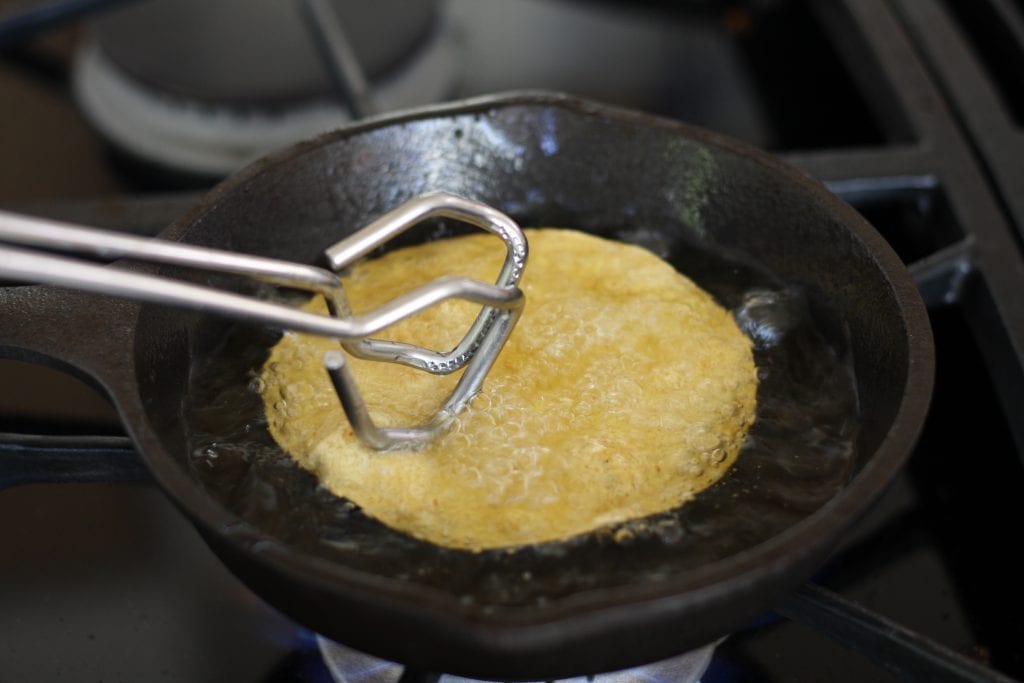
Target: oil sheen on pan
(624,391)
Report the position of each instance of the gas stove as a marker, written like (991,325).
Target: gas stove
(911,110)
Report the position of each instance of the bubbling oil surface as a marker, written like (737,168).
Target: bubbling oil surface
(797,455)
(623,392)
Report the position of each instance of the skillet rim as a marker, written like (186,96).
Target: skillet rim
(517,629)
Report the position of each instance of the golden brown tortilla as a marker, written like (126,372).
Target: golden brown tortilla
(623,391)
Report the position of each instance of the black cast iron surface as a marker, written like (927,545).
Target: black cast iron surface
(951,128)
(885,139)
(542,159)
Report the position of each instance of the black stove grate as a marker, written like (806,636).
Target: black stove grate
(911,110)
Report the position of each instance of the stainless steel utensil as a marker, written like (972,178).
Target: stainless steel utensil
(502,301)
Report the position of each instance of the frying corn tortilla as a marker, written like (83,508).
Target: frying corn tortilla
(624,391)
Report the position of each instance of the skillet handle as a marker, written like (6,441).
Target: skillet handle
(88,337)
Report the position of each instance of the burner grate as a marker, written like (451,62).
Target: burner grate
(927,146)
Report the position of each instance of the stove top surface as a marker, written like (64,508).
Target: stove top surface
(908,109)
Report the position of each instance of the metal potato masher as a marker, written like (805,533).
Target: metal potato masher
(31,259)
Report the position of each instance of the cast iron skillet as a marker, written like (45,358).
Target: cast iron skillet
(546,160)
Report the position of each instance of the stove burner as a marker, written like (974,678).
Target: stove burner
(351,666)
(184,103)
(904,107)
